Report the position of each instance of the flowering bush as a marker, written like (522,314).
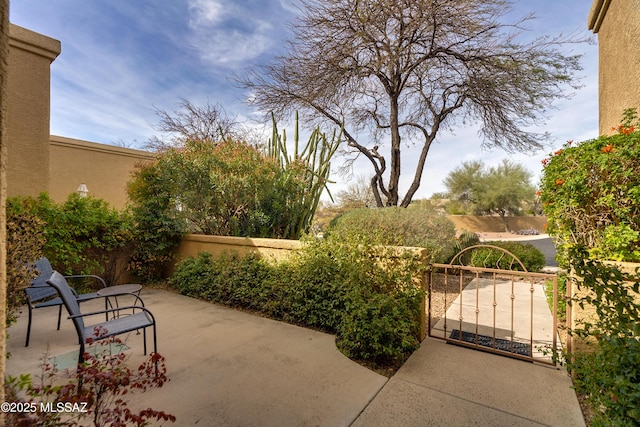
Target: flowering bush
(591,194)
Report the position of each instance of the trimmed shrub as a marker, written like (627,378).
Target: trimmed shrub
(531,257)
(400,227)
(25,242)
(337,285)
(82,235)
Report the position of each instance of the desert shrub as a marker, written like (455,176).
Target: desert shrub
(228,279)
(531,257)
(400,227)
(157,227)
(338,285)
(25,242)
(82,235)
(228,188)
(591,194)
(381,327)
(464,240)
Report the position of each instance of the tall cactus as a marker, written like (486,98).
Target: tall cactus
(316,159)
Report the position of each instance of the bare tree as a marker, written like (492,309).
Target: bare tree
(404,70)
(192,122)
(357,194)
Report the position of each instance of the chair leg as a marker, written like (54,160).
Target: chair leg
(81,354)
(155,345)
(59,315)
(155,348)
(79,367)
(144,337)
(29,326)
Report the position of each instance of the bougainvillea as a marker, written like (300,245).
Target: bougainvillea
(591,194)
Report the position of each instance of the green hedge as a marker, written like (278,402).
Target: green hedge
(25,241)
(531,257)
(334,285)
(82,235)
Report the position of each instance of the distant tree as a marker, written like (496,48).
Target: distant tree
(500,190)
(191,122)
(439,195)
(503,190)
(401,71)
(461,180)
(358,194)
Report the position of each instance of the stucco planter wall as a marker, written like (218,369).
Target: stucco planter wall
(278,250)
(588,314)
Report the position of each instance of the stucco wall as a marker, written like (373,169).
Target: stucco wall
(489,224)
(617,24)
(39,162)
(192,244)
(30,58)
(104,169)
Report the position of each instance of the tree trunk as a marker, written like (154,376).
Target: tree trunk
(394,176)
(4,71)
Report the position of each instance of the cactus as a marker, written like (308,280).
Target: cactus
(316,160)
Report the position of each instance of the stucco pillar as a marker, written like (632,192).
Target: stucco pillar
(617,24)
(28,104)
(4,53)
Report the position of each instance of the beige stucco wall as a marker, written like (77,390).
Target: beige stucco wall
(488,224)
(39,162)
(617,23)
(577,315)
(104,169)
(30,58)
(277,249)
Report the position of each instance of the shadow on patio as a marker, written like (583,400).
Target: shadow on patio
(225,367)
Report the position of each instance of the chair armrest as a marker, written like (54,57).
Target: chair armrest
(87,276)
(111,310)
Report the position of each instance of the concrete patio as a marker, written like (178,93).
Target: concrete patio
(231,368)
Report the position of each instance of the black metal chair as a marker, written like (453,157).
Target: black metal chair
(142,319)
(41,295)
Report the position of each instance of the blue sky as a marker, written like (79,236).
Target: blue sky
(121,59)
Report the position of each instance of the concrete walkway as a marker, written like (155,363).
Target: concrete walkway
(495,308)
(230,368)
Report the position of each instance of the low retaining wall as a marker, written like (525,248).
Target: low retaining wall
(578,315)
(276,249)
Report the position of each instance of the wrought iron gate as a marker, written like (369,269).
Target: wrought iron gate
(496,305)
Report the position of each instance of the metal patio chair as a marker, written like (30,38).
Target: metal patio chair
(139,318)
(41,295)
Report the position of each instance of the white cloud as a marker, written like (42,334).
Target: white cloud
(228,35)
(205,12)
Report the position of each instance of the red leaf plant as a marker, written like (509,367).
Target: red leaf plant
(94,397)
